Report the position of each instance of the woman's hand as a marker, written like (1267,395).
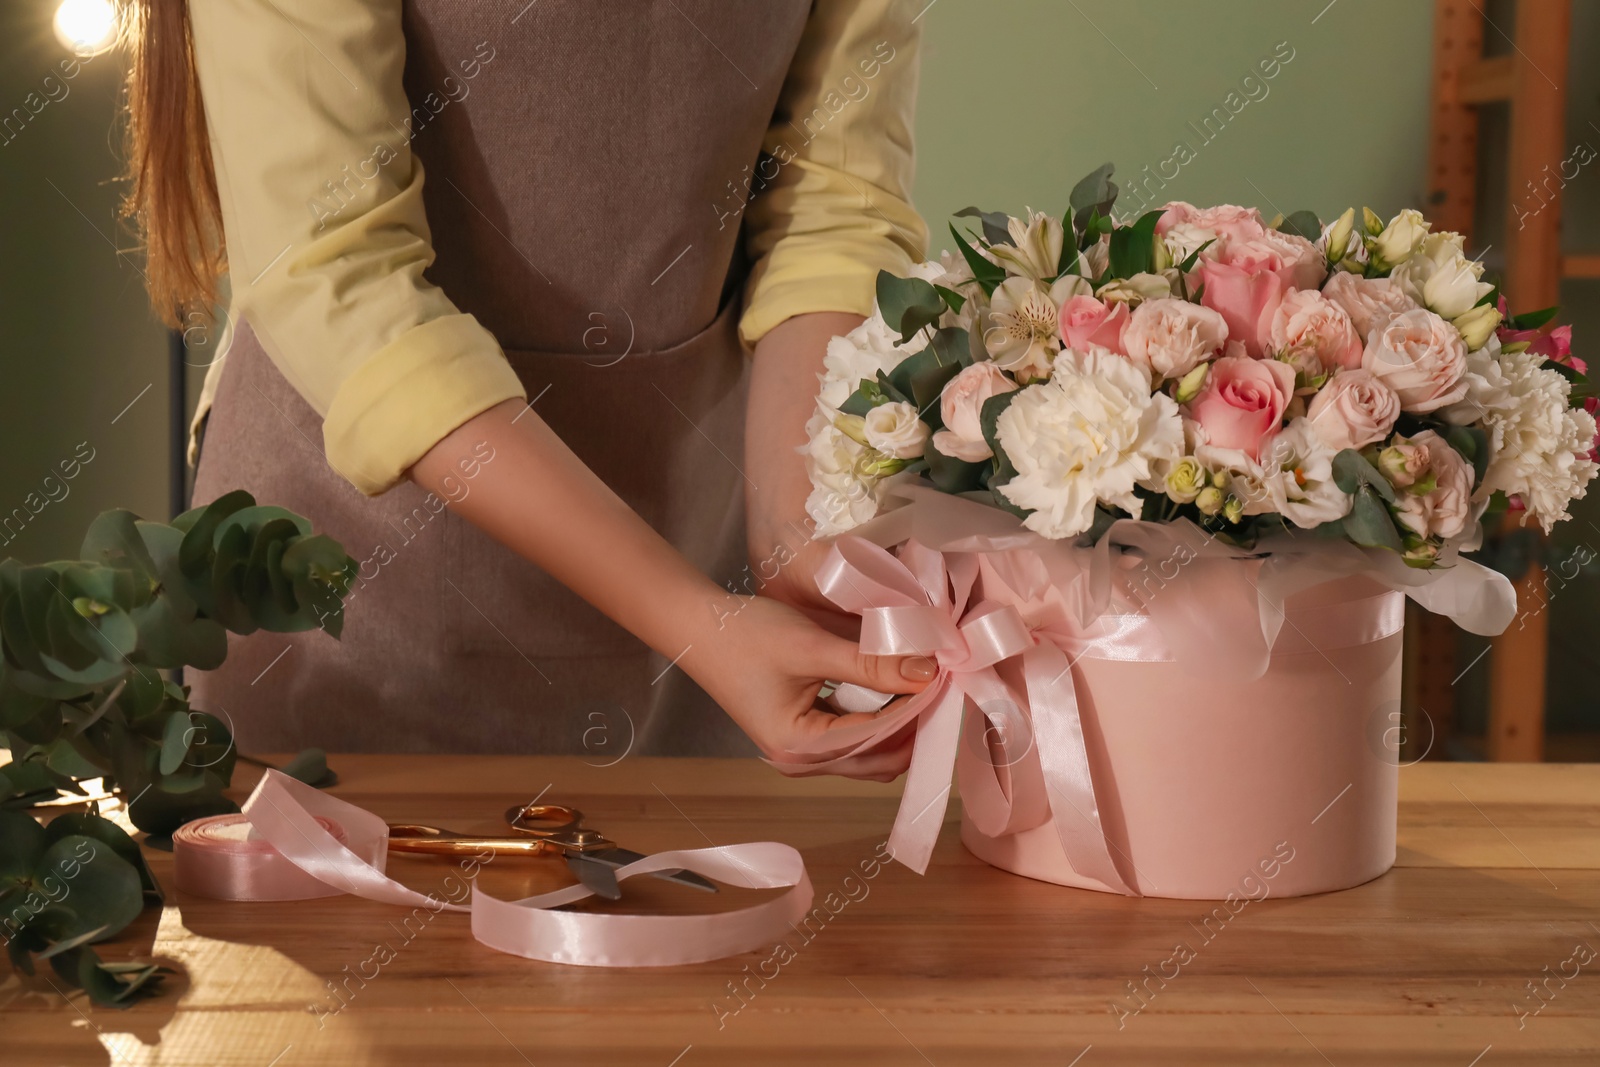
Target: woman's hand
(765,664)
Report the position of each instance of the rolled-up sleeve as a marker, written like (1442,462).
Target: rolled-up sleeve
(832,203)
(326,234)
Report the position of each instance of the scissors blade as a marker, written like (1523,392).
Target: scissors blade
(618,857)
(598,877)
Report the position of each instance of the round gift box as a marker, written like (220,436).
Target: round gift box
(1211,786)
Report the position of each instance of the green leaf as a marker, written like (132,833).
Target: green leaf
(908,304)
(1351,470)
(1473,444)
(175,738)
(989,417)
(201,524)
(953,475)
(102,890)
(158,812)
(988,275)
(22,842)
(1194,257)
(1132,247)
(311,767)
(1304,224)
(1095,192)
(1069,246)
(868,395)
(63,757)
(1369,523)
(1532,320)
(953,345)
(952,299)
(108,833)
(996,224)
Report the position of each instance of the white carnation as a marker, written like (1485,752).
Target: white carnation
(862,353)
(843,494)
(1090,434)
(1538,445)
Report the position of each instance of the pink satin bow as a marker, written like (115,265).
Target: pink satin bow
(920,603)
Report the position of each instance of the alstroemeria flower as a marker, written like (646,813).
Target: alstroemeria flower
(1035,249)
(1021,327)
(1556,344)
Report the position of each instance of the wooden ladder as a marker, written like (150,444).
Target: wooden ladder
(1533,79)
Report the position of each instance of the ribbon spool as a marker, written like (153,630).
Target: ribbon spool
(221,857)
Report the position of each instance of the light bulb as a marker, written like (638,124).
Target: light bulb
(87,27)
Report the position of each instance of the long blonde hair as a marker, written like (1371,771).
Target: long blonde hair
(172,188)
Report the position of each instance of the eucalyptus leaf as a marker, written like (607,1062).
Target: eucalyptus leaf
(1369,523)
(1095,192)
(953,475)
(101,889)
(996,224)
(1303,224)
(1351,470)
(908,304)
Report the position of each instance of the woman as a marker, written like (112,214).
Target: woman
(516,391)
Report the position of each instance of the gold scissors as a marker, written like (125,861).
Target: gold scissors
(544,829)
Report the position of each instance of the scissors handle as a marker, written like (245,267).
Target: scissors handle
(411,837)
(558,825)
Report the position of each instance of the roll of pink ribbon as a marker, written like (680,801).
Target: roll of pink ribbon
(293,842)
(221,857)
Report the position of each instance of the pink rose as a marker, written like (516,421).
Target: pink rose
(1169,338)
(1368,301)
(1244,298)
(1443,511)
(1421,357)
(1086,321)
(1307,320)
(1228,222)
(1290,256)
(961,406)
(1354,409)
(1241,405)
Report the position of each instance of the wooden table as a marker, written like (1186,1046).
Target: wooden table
(1498,880)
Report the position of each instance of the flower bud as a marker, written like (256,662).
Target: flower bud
(1209,500)
(1420,553)
(1161,257)
(852,426)
(1371,222)
(1399,240)
(1190,384)
(1233,509)
(1477,325)
(1339,236)
(874,464)
(1186,480)
(1403,464)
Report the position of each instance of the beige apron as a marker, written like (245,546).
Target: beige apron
(578,196)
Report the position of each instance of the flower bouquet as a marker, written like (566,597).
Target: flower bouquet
(1149,490)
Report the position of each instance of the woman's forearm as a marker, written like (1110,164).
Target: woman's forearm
(540,500)
(783,390)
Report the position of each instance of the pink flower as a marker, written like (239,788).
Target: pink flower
(1308,321)
(1169,338)
(1444,510)
(1354,409)
(1086,321)
(1370,302)
(1227,221)
(1555,345)
(1245,298)
(1421,357)
(1241,405)
(961,407)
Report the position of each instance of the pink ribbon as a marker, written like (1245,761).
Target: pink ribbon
(1008,654)
(321,839)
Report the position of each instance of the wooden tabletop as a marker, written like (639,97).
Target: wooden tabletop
(1497,892)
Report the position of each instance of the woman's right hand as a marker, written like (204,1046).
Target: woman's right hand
(765,665)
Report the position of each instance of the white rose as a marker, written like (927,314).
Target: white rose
(1169,338)
(1298,467)
(1445,509)
(844,495)
(1441,278)
(1368,301)
(1184,239)
(1136,289)
(1090,434)
(1421,357)
(1354,409)
(1400,239)
(961,408)
(895,430)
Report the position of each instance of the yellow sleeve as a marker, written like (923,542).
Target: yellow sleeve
(830,202)
(326,234)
